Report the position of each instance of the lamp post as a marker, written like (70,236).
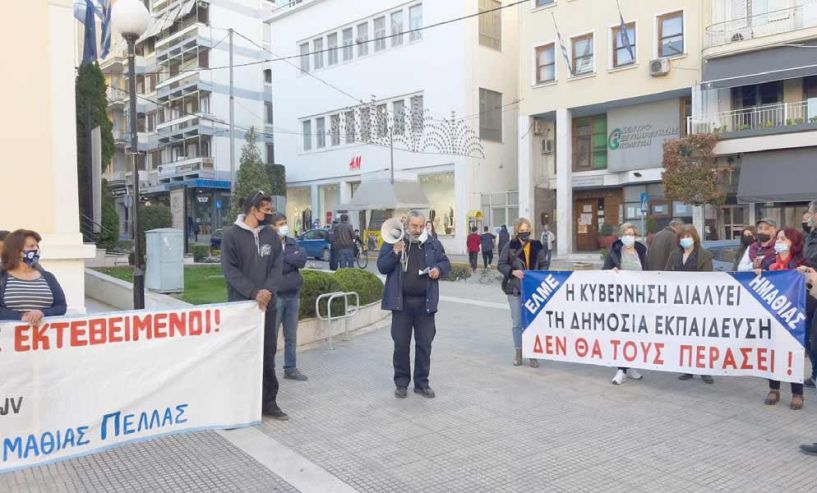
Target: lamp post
(130,18)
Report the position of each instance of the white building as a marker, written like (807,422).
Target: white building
(361,51)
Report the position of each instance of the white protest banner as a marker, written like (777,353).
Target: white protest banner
(686,322)
(74,386)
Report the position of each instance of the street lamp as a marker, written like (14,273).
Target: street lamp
(130,18)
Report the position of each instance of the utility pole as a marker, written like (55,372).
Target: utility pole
(391,152)
(138,267)
(232,119)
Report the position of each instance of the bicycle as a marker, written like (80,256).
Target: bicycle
(362,257)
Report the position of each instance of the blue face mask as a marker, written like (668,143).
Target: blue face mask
(31,257)
(687,243)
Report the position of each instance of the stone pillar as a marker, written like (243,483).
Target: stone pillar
(314,192)
(564,183)
(698,220)
(527,180)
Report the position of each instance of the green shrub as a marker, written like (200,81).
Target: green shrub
(315,284)
(200,252)
(606,230)
(459,272)
(368,286)
(109,235)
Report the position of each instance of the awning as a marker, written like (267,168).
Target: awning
(382,194)
(778,176)
(187,8)
(758,67)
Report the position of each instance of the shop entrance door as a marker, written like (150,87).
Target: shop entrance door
(587,225)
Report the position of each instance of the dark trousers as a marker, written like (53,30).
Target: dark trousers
(412,317)
(333,258)
(796,388)
(472,259)
(269,392)
(487,258)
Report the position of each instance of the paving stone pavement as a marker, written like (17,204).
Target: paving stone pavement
(492,427)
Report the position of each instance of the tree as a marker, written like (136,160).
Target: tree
(108,237)
(691,174)
(251,177)
(91,111)
(278,179)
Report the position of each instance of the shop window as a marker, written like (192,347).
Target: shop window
(439,188)
(500,208)
(590,143)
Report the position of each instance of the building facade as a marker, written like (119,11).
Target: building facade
(372,61)
(596,107)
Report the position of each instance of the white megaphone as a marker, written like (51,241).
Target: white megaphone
(392,231)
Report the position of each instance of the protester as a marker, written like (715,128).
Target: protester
(3,235)
(519,255)
(811,282)
(412,297)
(288,296)
(762,248)
(806,224)
(663,244)
(626,254)
(747,238)
(503,238)
(810,250)
(251,257)
(345,243)
(548,239)
(487,244)
(472,243)
(333,248)
(690,256)
(432,233)
(27,292)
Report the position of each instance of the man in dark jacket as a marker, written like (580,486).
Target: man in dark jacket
(345,243)
(412,296)
(663,244)
(810,249)
(288,297)
(504,238)
(251,257)
(486,240)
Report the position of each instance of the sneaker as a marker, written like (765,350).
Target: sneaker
(619,378)
(273,411)
(634,375)
(401,392)
(425,392)
(685,376)
(809,383)
(708,379)
(295,374)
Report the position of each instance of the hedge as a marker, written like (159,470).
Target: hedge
(459,272)
(315,284)
(368,286)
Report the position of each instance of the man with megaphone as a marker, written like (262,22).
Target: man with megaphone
(413,266)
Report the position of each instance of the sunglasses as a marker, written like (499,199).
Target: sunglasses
(258,198)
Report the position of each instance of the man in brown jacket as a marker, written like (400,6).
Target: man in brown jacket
(663,244)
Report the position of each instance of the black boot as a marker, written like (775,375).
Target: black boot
(518,360)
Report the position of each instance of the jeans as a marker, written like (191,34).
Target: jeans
(269,389)
(287,306)
(346,258)
(516,320)
(472,259)
(412,317)
(487,258)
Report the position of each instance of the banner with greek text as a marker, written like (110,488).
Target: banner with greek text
(74,386)
(686,322)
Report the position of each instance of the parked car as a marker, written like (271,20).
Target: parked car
(724,252)
(315,243)
(215,240)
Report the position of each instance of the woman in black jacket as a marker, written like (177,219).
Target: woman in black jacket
(522,253)
(626,254)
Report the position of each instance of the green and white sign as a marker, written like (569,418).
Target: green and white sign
(637,134)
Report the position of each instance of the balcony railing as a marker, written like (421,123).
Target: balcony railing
(762,25)
(758,117)
(186,166)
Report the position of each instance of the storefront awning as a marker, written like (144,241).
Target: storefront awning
(758,67)
(382,194)
(778,176)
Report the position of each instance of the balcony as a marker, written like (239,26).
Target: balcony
(117,98)
(739,31)
(120,138)
(184,128)
(185,41)
(180,85)
(185,169)
(758,120)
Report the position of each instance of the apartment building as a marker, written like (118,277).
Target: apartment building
(368,62)
(183,87)
(596,107)
(759,94)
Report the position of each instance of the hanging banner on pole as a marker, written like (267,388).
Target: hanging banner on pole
(686,322)
(74,386)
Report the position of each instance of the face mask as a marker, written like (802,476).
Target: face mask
(764,237)
(283,231)
(687,243)
(266,221)
(806,228)
(31,257)
(628,240)
(781,247)
(524,237)
(747,240)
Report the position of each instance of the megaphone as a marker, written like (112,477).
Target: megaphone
(392,231)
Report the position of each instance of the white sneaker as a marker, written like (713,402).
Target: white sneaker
(619,378)
(634,375)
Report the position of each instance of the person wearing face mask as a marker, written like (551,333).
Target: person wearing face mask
(412,294)
(27,292)
(760,249)
(810,249)
(626,254)
(288,296)
(806,223)
(520,254)
(690,256)
(788,249)
(251,258)
(747,238)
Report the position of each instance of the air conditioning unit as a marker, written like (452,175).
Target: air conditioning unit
(547,146)
(538,127)
(659,67)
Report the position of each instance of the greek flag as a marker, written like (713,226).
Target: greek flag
(562,46)
(89,53)
(105,39)
(625,36)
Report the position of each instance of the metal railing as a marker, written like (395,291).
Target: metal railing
(757,117)
(762,24)
(348,312)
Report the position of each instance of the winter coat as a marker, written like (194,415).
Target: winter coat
(512,258)
(388,263)
(294,260)
(703,260)
(487,242)
(473,242)
(251,260)
(613,260)
(810,248)
(663,244)
(58,306)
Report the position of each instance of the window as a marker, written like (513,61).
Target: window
(490,115)
(307,131)
(490,24)
(268,76)
(546,63)
(270,153)
(583,54)
(809,87)
(349,122)
(334,129)
(380,34)
(416,22)
(320,131)
(757,95)
(417,114)
(204,104)
(671,34)
(624,45)
(317,49)
(382,120)
(398,107)
(542,3)
(397,28)
(348,41)
(500,208)
(365,124)
(304,57)
(268,112)
(332,45)
(363,39)
(590,143)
